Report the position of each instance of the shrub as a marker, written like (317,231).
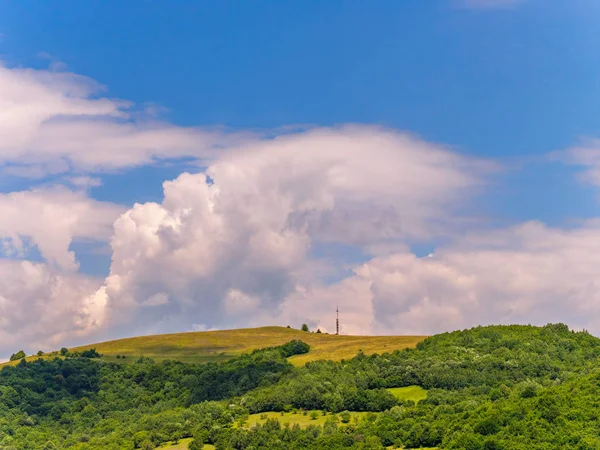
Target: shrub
(19,355)
(295,347)
(345,416)
(91,353)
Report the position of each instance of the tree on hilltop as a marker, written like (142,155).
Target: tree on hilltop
(304,327)
(19,355)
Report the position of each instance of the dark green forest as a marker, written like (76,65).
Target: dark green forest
(497,387)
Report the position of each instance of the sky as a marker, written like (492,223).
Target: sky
(426,166)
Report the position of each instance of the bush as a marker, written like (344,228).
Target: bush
(19,355)
(295,347)
(196,444)
(91,353)
(487,426)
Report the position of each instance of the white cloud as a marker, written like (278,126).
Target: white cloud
(236,239)
(232,246)
(84,182)
(41,308)
(586,156)
(50,219)
(527,274)
(53,122)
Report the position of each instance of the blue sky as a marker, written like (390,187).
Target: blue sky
(502,83)
(493,81)
(509,82)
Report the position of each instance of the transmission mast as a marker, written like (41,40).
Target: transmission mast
(337,320)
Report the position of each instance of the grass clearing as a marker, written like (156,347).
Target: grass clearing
(299,418)
(217,346)
(414,393)
(182,445)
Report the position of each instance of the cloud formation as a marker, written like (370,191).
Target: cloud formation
(529,273)
(55,122)
(245,242)
(41,308)
(233,242)
(50,219)
(585,156)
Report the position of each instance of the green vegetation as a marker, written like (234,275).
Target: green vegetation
(500,387)
(17,356)
(409,393)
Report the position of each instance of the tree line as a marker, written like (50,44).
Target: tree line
(499,387)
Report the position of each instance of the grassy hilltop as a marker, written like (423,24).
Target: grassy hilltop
(217,346)
(204,346)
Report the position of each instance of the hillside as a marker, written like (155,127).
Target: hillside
(217,346)
(487,388)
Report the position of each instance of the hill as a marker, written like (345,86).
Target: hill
(218,346)
(487,388)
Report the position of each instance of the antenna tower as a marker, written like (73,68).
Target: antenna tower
(337,320)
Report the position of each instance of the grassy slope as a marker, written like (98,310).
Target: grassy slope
(414,393)
(292,418)
(183,445)
(220,345)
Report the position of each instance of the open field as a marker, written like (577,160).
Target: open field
(183,445)
(299,418)
(205,346)
(414,393)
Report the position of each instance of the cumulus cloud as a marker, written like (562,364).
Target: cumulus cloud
(50,219)
(41,308)
(235,245)
(235,239)
(526,274)
(54,122)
